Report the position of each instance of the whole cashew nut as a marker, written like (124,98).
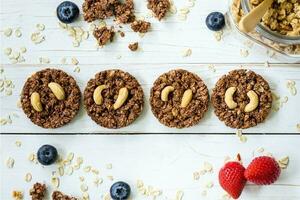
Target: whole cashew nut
(57,90)
(186,98)
(229,98)
(97,94)
(123,94)
(36,102)
(165,93)
(252,105)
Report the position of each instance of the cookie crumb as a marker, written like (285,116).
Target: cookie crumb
(17,195)
(133,46)
(159,7)
(104,35)
(57,195)
(140,26)
(38,191)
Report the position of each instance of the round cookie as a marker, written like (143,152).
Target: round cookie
(170,111)
(105,113)
(244,81)
(54,113)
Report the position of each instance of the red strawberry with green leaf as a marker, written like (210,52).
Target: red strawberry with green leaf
(231,178)
(263,170)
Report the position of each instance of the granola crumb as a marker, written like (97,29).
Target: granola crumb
(38,191)
(159,7)
(57,195)
(133,46)
(140,26)
(104,35)
(17,195)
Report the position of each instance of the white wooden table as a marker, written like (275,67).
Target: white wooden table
(167,161)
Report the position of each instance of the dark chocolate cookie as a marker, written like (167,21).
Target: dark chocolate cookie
(50,98)
(186,102)
(106,102)
(239,111)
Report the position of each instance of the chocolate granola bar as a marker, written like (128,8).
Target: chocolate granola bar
(50,98)
(185,103)
(38,191)
(159,7)
(113,99)
(244,82)
(57,195)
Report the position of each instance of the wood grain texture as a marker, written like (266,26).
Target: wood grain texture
(166,162)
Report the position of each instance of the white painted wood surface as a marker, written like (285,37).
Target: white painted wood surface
(164,162)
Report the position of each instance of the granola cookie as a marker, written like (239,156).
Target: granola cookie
(57,195)
(140,26)
(170,111)
(105,113)
(38,191)
(244,81)
(54,112)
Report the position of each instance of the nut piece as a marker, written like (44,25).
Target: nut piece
(97,94)
(123,94)
(57,90)
(36,102)
(229,98)
(252,105)
(165,92)
(186,98)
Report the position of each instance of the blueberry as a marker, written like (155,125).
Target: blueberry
(120,191)
(215,21)
(67,12)
(47,154)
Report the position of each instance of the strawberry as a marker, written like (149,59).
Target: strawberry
(263,170)
(231,178)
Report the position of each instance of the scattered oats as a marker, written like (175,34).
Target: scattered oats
(239,132)
(271,53)
(37,38)
(7,51)
(81,178)
(15,55)
(40,27)
(79,160)
(218,35)
(204,193)
(8,92)
(268,154)
(291,85)
(31,157)
(55,181)
(18,32)
(87,169)
(196,176)
(101,24)
(285,99)
(179,195)
(95,171)
(66,162)
(61,170)
(186,52)
(28,177)
(109,166)
(106,197)
(249,44)
(77,69)
(244,52)
(70,156)
(18,143)
(17,195)
(76,166)
(1,89)
(13,61)
(173,9)
(191,4)
(212,68)
(139,184)
(298,127)
(184,11)
(62,25)
(84,187)
(92,27)
(10,162)
(74,61)
(69,170)
(243,139)
(110,177)
(98,181)
(260,150)
(7,32)
(23,49)
(283,162)
(85,196)
(207,167)
(209,184)
(85,35)
(141,35)
(21,59)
